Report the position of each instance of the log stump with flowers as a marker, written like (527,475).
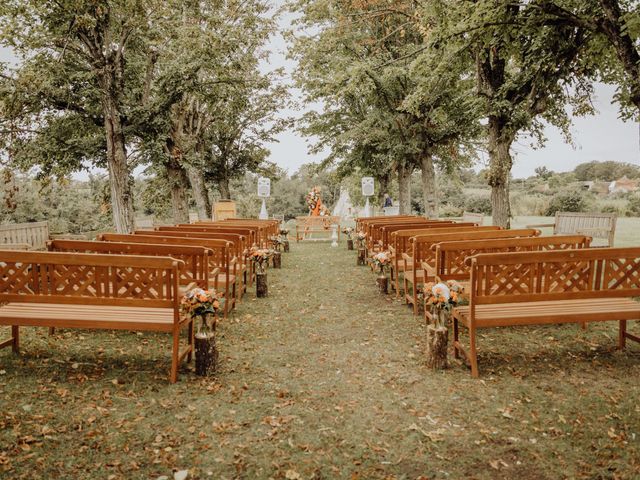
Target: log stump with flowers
(202,306)
(439,300)
(349,233)
(260,258)
(381,261)
(285,239)
(277,243)
(362,253)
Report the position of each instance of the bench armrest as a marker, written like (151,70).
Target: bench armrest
(407,257)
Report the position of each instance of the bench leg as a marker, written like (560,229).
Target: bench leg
(622,335)
(473,355)
(15,334)
(175,355)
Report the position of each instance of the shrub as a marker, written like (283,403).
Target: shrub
(569,201)
(478,204)
(633,207)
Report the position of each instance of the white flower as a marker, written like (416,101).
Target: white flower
(441,290)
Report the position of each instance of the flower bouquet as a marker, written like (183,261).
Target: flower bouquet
(201,303)
(205,305)
(440,299)
(381,261)
(284,232)
(260,258)
(313,197)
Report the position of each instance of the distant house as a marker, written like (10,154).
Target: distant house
(624,185)
(599,188)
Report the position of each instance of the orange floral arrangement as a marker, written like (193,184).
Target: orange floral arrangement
(260,257)
(441,298)
(199,302)
(382,260)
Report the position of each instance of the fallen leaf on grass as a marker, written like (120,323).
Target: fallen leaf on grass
(292,475)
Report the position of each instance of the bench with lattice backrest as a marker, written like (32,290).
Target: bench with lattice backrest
(195,271)
(240,247)
(420,262)
(222,265)
(114,292)
(600,226)
(553,287)
(400,244)
(451,256)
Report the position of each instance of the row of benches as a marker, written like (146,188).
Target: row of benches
(129,282)
(512,277)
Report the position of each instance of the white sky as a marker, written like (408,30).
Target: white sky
(600,137)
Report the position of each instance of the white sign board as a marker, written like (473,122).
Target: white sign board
(264,187)
(367,186)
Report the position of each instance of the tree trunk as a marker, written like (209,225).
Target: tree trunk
(616,31)
(223,187)
(429,190)
(404,189)
(200,192)
(119,173)
(500,163)
(206,354)
(384,182)
(178,187)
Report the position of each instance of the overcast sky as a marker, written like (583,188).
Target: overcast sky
(600,137)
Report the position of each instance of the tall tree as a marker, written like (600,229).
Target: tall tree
(523,73)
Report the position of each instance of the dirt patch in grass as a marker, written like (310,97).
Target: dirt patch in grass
(324,379)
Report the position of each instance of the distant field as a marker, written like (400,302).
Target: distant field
(627,228)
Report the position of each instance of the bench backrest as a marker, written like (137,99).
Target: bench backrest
(421,244)
(362,221)
(239,241)
(554,275)
(250,232)
(400,240)
(220,256)
(89,279)
(195,259)
(450,256)
(34,234)
(374,230)
(597,225)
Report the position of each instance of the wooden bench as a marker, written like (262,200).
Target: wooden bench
(24,236)
(240,248)
(419,264)
(223,270)
(451,256)
(555,287)
(195,260)
(400,244)
(305,226)
(72,290)
(601,226)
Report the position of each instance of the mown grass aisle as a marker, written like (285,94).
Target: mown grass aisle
(324,379)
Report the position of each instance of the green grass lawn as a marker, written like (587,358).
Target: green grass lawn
(324,379)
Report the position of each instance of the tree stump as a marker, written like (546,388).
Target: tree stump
(349,244)
(383,284)
(261,285)
(361,257)
(437,340)
(277,260)
(285,246)
(206,353)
